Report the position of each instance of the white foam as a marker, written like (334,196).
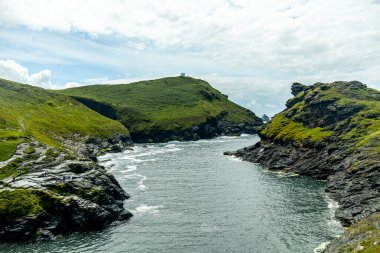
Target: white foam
(130,168)
(173,149)
(148,209)
(321,247)
(334,225)
(228,137)
(154,151)
(131,176)
(172,145)
(234,158)
(108,163)
(285,174)
(140,184)
(132,159)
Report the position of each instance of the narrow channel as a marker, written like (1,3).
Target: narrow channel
(188,197)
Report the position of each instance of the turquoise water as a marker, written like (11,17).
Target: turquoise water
(188,197)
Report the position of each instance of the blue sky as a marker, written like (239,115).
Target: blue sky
(249,49)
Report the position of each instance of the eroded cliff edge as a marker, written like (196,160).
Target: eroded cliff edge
(50,181)
(45,192)
(329,131)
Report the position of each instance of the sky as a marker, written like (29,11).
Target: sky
(251,50)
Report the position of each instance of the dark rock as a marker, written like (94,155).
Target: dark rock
(230,153)
(352,177)
(87,197)
(212,127)
(265,118)
(297,88)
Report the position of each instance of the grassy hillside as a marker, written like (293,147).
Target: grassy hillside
(173,103)
(361,237)
(343,111)
(46,116)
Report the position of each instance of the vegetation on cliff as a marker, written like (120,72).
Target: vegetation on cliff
(52,140)
(15,204)
(346,112)
(363,237)
(169,104)
(27,111)
(331,131)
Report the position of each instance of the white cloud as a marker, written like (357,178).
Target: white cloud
(11,70)
(71,85)
(295,34)
(251,50)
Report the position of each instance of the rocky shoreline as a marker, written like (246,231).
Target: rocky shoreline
(212,127)
(358,194)
(51,192)
(346,156)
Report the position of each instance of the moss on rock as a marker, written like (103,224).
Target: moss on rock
(15,204)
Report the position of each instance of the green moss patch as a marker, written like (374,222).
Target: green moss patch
(11,169)
(23,202)
(284,129)
(7,148)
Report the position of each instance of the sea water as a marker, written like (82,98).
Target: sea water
(188,197)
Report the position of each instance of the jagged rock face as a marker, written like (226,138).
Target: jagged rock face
(87,200)
(297,88)
(328,131)
(265,118)
(213,127)
(318,109)
(58,194)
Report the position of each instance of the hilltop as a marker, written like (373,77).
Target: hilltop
(172,108)
(48,117)
(330,131)
(50,181)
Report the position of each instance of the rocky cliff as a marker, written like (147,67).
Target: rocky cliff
(50,181)
(49,192)
(329,131)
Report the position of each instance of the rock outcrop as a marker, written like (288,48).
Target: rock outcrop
(331,132)
(50,192)
(212,127)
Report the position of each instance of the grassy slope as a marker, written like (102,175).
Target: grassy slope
(23,202)
(47,116)
(164,104)
(360,128)
(363,237)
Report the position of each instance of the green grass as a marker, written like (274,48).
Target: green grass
(282,128)
(166,104)
(7,149)
(20,203)
(46,116)
(366,130)
(363,235)
(11,169)
(361,128)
